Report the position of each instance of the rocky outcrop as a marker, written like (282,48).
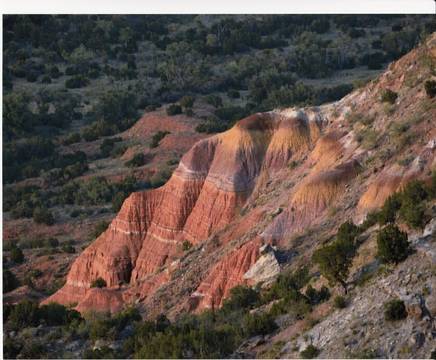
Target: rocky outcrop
(212,181)
(265,269)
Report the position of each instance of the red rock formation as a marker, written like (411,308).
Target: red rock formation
(225,275)
(104,300)
(212,181)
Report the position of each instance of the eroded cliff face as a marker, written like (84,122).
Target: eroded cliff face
(277,173)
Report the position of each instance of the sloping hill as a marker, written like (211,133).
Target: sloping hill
(287,178)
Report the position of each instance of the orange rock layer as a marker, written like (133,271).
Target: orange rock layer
(212,181)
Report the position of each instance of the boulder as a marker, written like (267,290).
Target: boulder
(265,269)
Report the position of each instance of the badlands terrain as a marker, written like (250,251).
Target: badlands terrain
(261,197)
(223,259)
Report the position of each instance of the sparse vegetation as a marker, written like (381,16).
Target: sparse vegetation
(389,96)
(339,302)
(334,259)
(99,283)
(17,255)
(174,109)
(137,160)
(157,137)
(392,245)
(309,352)
(430,88)
(42,215)
(395,310)
(186,245)
(10,282)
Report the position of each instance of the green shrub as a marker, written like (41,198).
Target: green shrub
(77,81)
(234,94)
(412,210)
(17,255)
(413,214)
(287,285)
(99,283)
(241,297)
(431,188)
(101,328)
(370,220)
(389,96)
(69,249)
(51,242)
(430,88)
(389,210)
(157,137)
(309,352)
(214,100)
(347,233)
(334,261)
(367,137)
(137,160)
(55,314)
(230,113)
(25,313)
(46,79)
(108,145)
(11,348)
(32,350)
(71,139)
(339,302)
(392,244)
(258,324)
(210,127)
(364,354)
(99,229)
(187,101)
(31,77)
(395,310)
(42,215)
(10,282)
(317,296)
(160,177)
(174,109)
(186,245)
(118,200)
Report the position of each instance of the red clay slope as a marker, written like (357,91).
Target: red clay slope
(211,183)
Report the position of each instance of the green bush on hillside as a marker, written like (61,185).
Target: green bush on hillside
(430,88)
(187,101)
(174,109)
(10,282)
(309,352)
(137,160)
(395,310)
(42,215)
(392,244)
(389,96)
(99,283)
(17,255)
(339,302)
(157,137)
